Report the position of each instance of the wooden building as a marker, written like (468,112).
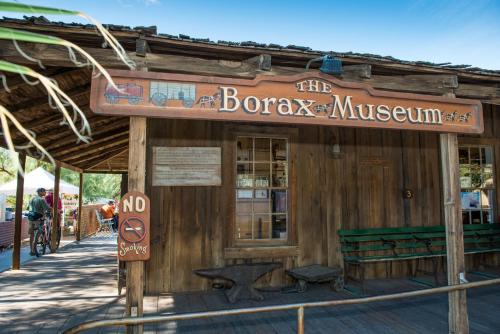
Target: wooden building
(280,191)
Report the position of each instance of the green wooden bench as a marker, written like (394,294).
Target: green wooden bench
(364,246)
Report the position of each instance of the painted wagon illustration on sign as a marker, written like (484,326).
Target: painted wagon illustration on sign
(172,94)
(130,91)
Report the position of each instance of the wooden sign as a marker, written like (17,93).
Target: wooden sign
(187,166)
(133,227)
(307,98)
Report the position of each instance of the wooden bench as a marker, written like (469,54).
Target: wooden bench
(362,246)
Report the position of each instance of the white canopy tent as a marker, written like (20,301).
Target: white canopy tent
(38,178)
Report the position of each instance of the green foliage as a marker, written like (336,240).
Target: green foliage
(95,186)
(26,36)
(22,8)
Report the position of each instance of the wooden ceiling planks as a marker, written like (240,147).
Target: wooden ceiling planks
(30,104)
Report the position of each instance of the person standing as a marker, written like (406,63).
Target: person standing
(38,208)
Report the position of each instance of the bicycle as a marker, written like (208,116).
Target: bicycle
(43,236)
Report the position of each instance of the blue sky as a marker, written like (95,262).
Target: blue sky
(460,31)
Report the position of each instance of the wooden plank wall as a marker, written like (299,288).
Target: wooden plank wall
(359,188)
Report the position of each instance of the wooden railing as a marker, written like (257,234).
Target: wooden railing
(300,307)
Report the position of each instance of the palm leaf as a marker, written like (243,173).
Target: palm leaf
(58,96)
(112,42)
(22,8)
(26,36)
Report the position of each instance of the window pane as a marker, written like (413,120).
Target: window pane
(474,155)
(244,177)
(262,202)
(476,178)
(279,227)
(488,217)
(470,200)
(488,157)
(244,151)
(262,175)
(463,155)
(466,217)
(477,184)
(279,199)
(279,149)
(487,199)
(261,188)
(280,174)
(488,177)
(262,149)
(244,201)
(476,217)
(244,227)
(262,226)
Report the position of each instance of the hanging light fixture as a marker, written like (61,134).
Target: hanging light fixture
(331,65)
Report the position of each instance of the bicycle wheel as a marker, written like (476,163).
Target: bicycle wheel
(39,240)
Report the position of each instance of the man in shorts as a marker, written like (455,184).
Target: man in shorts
(38,207)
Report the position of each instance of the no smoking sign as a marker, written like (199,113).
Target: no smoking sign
(133,228)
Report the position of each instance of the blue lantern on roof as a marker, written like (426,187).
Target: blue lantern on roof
(331,65)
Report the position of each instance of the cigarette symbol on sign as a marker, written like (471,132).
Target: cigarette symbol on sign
(132,230)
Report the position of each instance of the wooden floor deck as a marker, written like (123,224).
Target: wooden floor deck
(78,284)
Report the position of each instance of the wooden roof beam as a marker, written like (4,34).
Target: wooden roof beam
(43,101)
(97,159)
(106,158)
(102,138)
(98,132)
(45,137)
(82,155)
(440,80)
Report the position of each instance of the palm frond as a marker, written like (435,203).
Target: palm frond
(112,42)
(6,116)
(57,95)
(26,36)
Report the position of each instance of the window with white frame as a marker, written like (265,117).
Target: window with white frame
(261,188)
(477,184)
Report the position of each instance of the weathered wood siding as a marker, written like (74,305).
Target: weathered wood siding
(359,188)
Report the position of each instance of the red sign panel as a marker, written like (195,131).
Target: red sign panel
(133,227)
(306,98)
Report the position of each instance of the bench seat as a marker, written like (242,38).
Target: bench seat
(361,246)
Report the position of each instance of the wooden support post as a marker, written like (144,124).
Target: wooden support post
(78,230)
(124,184)
(458,322)
(137,182)
(16,254)
(55,211)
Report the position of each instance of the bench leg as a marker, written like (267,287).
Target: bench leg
(410,268)
(417,267)
(346,272)
(435,270)
(388,269)
(362,277)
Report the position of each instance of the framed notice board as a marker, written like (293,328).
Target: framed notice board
(186,166)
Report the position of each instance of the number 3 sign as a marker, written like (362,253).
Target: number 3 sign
(133,227)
